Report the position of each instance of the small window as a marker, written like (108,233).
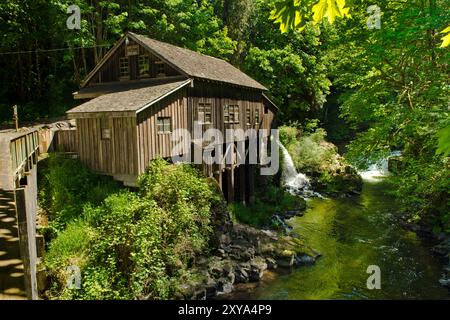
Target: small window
(248,116)
(236,114)
(257,116)
(164,125)
(160,69)
(124,68)
(231,114)
(204,114)
(144,65)
(266,110)
(226,114)
(105,131)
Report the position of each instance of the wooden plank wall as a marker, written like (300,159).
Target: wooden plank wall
(220,95)
(66,140)
(115,156)
(152,144)
(109,72)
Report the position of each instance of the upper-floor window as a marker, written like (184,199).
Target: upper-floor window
(164,125)
(204,113)
(248,116)
(257,116)
(144,65)
(124,68)
(160,69)
(106,132)
(231,114)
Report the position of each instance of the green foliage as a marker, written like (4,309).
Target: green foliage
(270,199)
(136,245)
(70,247)
(393,86)
(446,38)
(309,151)
(289,64)
(66,185)
(288,135)
(444,141)
(423,190)
(294,14)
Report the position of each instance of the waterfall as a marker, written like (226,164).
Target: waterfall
(295,182)
(379,169)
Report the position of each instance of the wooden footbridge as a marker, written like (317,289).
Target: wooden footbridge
(18,205)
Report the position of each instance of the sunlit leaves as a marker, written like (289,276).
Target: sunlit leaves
(330,9)
(293,14)
(446,38)
(444,141)
(287,14)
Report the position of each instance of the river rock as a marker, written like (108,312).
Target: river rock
(272,235)
(224,286)
(242,250)
(304,260)
(445,282)
(271,263)
(241,273)
(257,267)
(211,288)
(286,259)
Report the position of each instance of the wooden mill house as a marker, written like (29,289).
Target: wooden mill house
(143,89)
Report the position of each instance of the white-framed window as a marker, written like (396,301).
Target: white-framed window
(124,67)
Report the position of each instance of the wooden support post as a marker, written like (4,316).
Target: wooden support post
(16,117)
(218,175)
(251,184)
(26,205)
(230,181)
(242,185)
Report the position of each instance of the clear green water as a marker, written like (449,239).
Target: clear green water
(351,234)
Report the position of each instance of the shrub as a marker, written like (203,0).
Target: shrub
(66,185)
(71,247)
(267,203)
(140,245)
(310,152)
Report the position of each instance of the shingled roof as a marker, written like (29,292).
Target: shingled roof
(189,63)
(129,100)
(198,65)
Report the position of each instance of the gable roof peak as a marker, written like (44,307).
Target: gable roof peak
(196,64)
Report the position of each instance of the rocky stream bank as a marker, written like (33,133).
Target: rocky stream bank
(243,255)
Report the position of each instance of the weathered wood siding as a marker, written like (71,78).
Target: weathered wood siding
(152,144)
(268,116)
(66,140)
(109,72)
(221,95)
(116,155)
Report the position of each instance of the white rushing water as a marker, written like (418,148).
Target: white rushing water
(295,182)
(379,170)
